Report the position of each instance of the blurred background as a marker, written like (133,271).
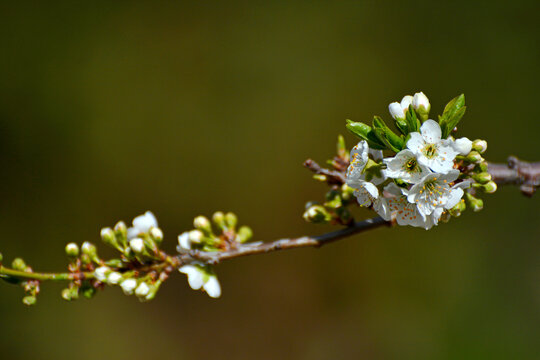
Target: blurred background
(109,109)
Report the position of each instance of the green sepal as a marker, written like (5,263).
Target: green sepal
(402,126)
(413,123)
(365,132)
(387,136)
(452,114)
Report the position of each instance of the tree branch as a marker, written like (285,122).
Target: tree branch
(517,172)
(282,244)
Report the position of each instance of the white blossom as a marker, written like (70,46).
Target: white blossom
(462,145)
(183,242)
(435,191)
(398,110)
(142,290)
(402,211)
(405,166)
(101,273)
(366,194)
(137,245)
(142,224)
(199,277)
(128,286)
(359,159)
(431,151)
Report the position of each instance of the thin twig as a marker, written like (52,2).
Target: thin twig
(517,172)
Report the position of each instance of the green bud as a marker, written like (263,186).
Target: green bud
(120,230)
(70,294)
(231,220)
(347,192)
(244,234)
(72,250)
(482,167)
(320,177)
(29,300)
(114,263)
(89,249)
(490,187)
(482,178)
(474,157)
(203,224)
(317,214)
(219,219)
(479,145)
(18,264)
(474,203)
(88,292)
(156,235)
(1,257)
(109,237)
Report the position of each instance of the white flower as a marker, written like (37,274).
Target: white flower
(142,290)
(128,286)
(421,103)
(403,212)
(114,278)
(183,242)
(200,277)
(435,191)
(397,110)
(137,245)
(101,273)
(462,146)
(359,159)
(405,166)
(142,224)
(366,194)
(430,149)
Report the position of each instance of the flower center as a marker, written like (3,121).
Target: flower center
(411,165)
(430,150)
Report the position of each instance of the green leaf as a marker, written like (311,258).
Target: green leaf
(412,120)
(452,114)
(365,132)
(402,126)
(387,136)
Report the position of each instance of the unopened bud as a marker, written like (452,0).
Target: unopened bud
(462,145)
(1,257)
(474,203)
(219,219)
(474,157)
(70,294)
(317,214)
(156,234)
(231,220)
(479,145)
(101,273)
(455,211)
(421,105)
(88,292)
(108,237)
(29,300)
(202,223)
(114,278)
(142,290)
(120,230)
(397,112)
(128,286)
(72,250)
(490,187)
(482,178)
(137,245)
(482,167)
(89,249)
(195,236)
(18,264)
(244,234)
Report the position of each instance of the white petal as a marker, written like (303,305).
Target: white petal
(212,287)
(416,143)
(454,198)
(195,276)
(144,222)
(128,286)
(406,102)
(463,146)
(431,131)
(183,241)
(420,100)
(376,154)
(396,110)
(371,189)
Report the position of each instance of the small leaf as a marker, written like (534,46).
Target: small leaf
(365,132)
(452,114)
(387,136)
(412,120)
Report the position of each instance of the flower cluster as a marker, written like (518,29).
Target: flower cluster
(425,177)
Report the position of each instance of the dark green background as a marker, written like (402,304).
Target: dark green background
(108,109)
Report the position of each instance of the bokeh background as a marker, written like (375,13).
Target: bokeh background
(108,109)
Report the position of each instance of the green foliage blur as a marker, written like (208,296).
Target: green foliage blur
(109,109)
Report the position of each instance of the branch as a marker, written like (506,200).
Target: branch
(517,172)
(213,258)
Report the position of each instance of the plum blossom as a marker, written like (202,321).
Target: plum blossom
(359,159)
(200,276)
(142,224)
(431,151)
(462,145)
(397,110)
(405,166)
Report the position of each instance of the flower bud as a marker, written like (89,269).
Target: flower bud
(18,264)
(219,219)
(120,230)
(479,145)
(156,234)
(474,203)
(482,167)
(474,157)
(463,145)
(72,250)
(88,292)
(231,220)
(114,278)
(482,177)
(317,214)
(70,294)
(202,223)
(195,236)
(29,300)
(396,111)
(89,249)
(137,245)
(244,234)
(101,273)
(108,237)
(128,286)
(490,187)
(421,105)
(1,257)
(142,290)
